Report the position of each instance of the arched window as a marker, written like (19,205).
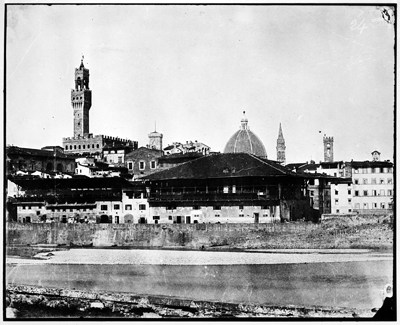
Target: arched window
(74,146)
(98,146)
(79,146)
(83,146)
(70,147)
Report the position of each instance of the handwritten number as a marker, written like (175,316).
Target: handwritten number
(361,26)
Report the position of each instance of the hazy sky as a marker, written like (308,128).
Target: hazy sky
(194,69)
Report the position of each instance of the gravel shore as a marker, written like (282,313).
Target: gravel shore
(173,257)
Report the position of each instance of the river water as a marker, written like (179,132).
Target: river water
(336,280)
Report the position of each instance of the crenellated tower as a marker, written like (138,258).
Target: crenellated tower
(280,147)
(81,100)
(328,149)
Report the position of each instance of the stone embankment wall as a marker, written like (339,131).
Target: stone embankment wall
(197,236)
(38,302)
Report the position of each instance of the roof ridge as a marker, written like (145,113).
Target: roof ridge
(263,161)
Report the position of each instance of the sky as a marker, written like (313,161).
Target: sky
(190,71)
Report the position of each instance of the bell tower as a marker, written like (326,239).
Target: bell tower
(81,100)
(328,149)
(280,147)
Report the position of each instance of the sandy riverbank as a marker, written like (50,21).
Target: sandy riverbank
(173,257)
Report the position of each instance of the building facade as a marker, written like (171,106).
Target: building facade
(143,161)
(227,188)
(43,160)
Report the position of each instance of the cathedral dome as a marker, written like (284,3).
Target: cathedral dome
(245,141)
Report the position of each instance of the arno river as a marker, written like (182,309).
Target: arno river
(337,279)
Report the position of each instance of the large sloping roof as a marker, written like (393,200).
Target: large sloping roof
(221,166)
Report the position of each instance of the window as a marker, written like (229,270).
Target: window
(196,215)
(356,193)
(356,181)
(349,192)
(265,215)
(79,146)
(241,215)
(71,210)
(349,210)
(389,181)
(373,181)
(66,147)
(93,145)
(365,206)
(390,205)
(217,216)
(130,165)
(70,147)
(97,146)
(336,201)
(374,205)
(169,217)
(240,207)
(311,193)
(152,164)
(374,193)
(355,170)
(128,206)
(381,181)
(382,193)
(349,201)
(390,170)
(116,206)
(337,210)
(336,192)
(365,193)
(103,207)
(357,206)
(141,165)
(156,217)
(365,180)
(74,146)
(217,207)
(389,192)
(382,205)
(142,206)
(120,160)
(372,170)
(83,146)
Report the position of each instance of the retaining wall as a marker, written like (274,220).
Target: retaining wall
(162,235)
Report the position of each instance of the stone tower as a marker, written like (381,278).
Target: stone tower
(155,140)
(280,147)
(81,100)
(328,149)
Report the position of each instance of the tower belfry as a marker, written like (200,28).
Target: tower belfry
(280,147)
(81,100)
(328,148)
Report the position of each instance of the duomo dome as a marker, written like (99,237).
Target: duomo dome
(245,141)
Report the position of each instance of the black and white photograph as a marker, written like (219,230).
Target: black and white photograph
(199,161)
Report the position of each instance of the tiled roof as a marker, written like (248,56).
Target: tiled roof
(68,183)
(366,164)
(221,166)
(18,151)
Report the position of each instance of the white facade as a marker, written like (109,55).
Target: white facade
(373,188)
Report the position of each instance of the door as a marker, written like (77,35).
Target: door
(256,217)
(187,219)
(116,219)
(178,219)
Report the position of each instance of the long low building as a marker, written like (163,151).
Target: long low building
(228,188)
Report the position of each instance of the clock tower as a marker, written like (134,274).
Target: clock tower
(81,100)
